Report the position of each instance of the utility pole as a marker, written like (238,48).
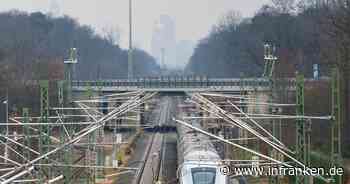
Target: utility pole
(66,156)
(243,134)
(7,111)
(69,71)
(130,54)
(270,62)
(6,102)
(44,141)
(336,157)
(25,113)
(65,93)
(301,143)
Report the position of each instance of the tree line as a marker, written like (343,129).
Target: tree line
(305,32)
(33,47)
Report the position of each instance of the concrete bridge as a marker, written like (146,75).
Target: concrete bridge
(181,84)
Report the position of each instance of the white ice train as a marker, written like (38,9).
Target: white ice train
(198,160)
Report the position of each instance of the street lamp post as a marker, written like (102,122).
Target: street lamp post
(7,112)
(130,54)
(6,102)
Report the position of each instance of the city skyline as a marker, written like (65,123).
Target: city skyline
(193,19)
(163,44)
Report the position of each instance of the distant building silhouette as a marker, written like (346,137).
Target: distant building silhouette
(163,46)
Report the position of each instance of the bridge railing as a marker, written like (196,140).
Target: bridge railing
(188,82)
(173,83)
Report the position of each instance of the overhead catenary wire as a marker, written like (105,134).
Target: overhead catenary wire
(250,150)
(122,109)
(231,119)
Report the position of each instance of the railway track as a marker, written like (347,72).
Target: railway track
(150,170)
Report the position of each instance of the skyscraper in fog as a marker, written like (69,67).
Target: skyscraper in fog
(163,46)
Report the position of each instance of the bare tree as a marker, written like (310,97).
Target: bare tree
(231,19)
(337,22)
(284,6)
(112,34)
(303,5)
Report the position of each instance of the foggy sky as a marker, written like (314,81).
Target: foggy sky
(194,18)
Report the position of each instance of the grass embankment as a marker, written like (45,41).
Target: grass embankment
(123,155)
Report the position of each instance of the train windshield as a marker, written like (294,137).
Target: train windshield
(203,175)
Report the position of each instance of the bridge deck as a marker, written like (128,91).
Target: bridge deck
(180,84)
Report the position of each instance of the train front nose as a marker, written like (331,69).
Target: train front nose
(204,175)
